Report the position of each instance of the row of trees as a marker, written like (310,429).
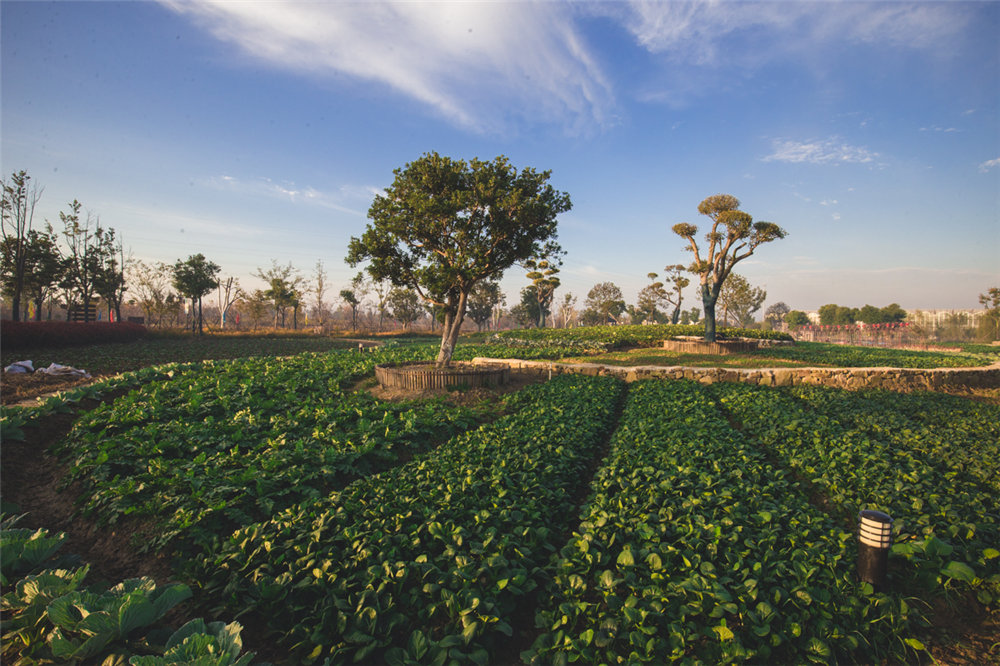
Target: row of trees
(83,263)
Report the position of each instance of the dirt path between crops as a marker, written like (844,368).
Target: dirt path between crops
(30,478)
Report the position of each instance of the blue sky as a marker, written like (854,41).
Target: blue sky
(260,131)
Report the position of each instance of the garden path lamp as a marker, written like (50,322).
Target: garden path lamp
(875,538)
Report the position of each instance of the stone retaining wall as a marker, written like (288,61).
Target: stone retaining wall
(894,379)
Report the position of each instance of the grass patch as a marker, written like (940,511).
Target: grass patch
(802,354)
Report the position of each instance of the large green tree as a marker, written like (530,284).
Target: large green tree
(194,278)
(740,300)
(43,267)
(604,305)
(732,238)
(445,225)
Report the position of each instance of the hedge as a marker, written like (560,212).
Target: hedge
(41,334)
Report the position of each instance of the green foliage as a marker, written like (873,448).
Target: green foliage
(930,461)
(24,549)
(695,547)
(232,442)
(201,644)
(50,617)
(429,561)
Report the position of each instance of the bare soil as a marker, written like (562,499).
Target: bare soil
(17,388)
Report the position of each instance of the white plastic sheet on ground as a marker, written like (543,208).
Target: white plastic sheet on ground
(57,369)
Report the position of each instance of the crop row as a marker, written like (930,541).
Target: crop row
(965,433)
(229,443)
(693,547)
(433,560)
(947,517)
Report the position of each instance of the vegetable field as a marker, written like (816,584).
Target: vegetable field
(580,520)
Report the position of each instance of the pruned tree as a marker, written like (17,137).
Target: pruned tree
(740,300)
(647,306)
(193,279)
(17,211)
(732,238)
(677,282)
(543,272)
(445,225)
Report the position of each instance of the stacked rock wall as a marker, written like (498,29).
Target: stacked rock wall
(893,379)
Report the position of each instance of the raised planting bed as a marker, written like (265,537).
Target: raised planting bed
(426,375)
(697,345)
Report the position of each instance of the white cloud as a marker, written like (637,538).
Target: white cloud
(828,202)
(989,164)
(476,64)
(826,151)
(704,32)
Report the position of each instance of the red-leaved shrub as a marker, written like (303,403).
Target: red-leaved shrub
(41,334)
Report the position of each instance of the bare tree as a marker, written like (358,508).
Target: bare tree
(17,210)
(229,293)
(319,291)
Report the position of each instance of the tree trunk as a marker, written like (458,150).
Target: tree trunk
(452,326)
(199,316)
(708,298)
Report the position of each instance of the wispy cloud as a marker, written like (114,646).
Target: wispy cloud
(826,151)
(476,64)
(339,200)
(704,32)
(989,164)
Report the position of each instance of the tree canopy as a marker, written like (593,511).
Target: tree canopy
(194,278)
(444,225)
